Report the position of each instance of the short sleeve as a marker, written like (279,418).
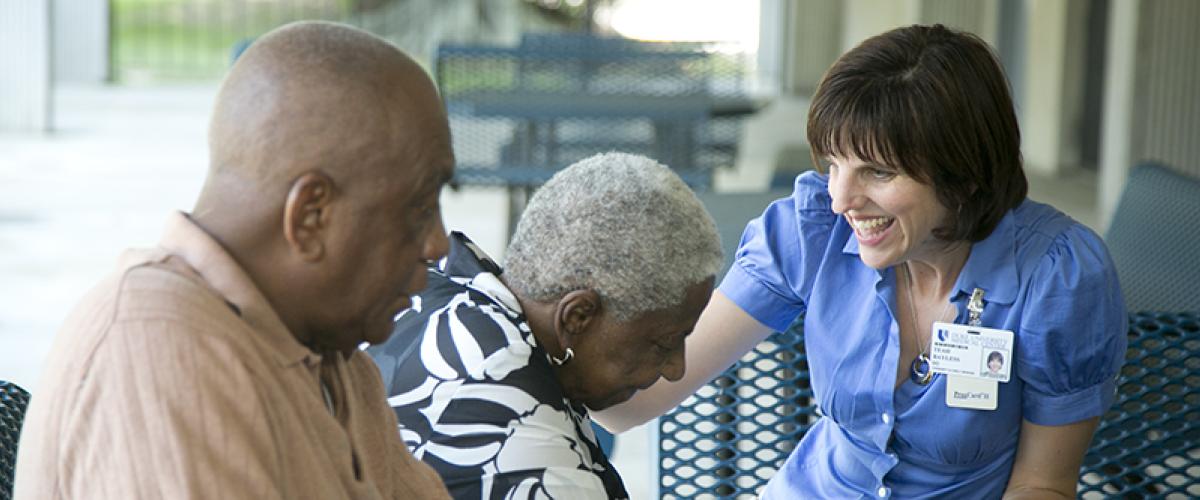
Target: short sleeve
(1072,338)
(780,253)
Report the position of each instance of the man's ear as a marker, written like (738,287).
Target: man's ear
(575,313)
(306,214)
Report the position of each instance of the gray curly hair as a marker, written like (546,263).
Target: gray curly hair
(622,225)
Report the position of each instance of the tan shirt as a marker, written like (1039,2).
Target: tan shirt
(174,378)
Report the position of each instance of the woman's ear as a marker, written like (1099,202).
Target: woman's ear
(306,214)
(576,312)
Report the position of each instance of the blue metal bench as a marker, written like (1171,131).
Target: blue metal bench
(1148,444)
(730,438)
(13,401)
(1154,239)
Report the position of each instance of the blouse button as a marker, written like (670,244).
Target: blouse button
(882,492)
(885,418)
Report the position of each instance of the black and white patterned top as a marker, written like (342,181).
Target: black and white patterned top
(476,397)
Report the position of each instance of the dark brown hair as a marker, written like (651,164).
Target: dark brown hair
(934,103)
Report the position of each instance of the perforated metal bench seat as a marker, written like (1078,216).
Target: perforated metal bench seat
(730,438)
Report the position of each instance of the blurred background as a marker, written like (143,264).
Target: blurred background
(104,107)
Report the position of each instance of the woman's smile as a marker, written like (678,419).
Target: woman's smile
(871,231)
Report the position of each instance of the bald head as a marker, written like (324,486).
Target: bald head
(312,94)
(328,149)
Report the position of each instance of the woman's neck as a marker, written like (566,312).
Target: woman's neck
(539,316)
(935,276)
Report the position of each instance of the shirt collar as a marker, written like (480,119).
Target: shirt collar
(466,263)
(186,240)
(991,265)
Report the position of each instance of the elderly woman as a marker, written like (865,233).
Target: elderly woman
(492,372)
(912,254)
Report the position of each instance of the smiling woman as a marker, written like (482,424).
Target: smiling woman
(916,217)
(493,372)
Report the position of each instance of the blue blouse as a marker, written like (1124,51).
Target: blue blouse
(1046,277)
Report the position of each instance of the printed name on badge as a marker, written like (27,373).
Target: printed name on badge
(971,351)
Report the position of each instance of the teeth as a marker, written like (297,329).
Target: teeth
(869,224)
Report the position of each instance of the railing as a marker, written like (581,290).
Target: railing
(156,40)
(193,39)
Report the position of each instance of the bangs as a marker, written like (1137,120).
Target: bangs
(933,104)
(873,123)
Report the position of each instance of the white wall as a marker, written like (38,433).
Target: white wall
(24,65)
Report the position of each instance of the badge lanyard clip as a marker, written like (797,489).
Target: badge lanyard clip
(975,308)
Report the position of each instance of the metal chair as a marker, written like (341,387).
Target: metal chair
(728,439)
(13,401)
(1154,239)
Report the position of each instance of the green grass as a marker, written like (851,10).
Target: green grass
(192,40)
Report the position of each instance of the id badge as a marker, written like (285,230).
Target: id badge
(971,351)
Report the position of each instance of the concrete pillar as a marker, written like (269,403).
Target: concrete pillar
(25,57)
(797,43)
(981,17)
(1116,133)
(774,45)
(863,19)
(81,40)
(815,43)
(1041,116)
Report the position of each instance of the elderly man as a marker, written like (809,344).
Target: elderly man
(225,362)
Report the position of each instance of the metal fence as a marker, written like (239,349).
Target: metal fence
(157,40)
(193,39)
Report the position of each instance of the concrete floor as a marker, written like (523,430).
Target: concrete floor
(122,158)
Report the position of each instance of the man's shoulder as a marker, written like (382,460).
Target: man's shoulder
(170,293)
(149,292)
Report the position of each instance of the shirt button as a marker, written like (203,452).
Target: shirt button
(883,492)
(885,418)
